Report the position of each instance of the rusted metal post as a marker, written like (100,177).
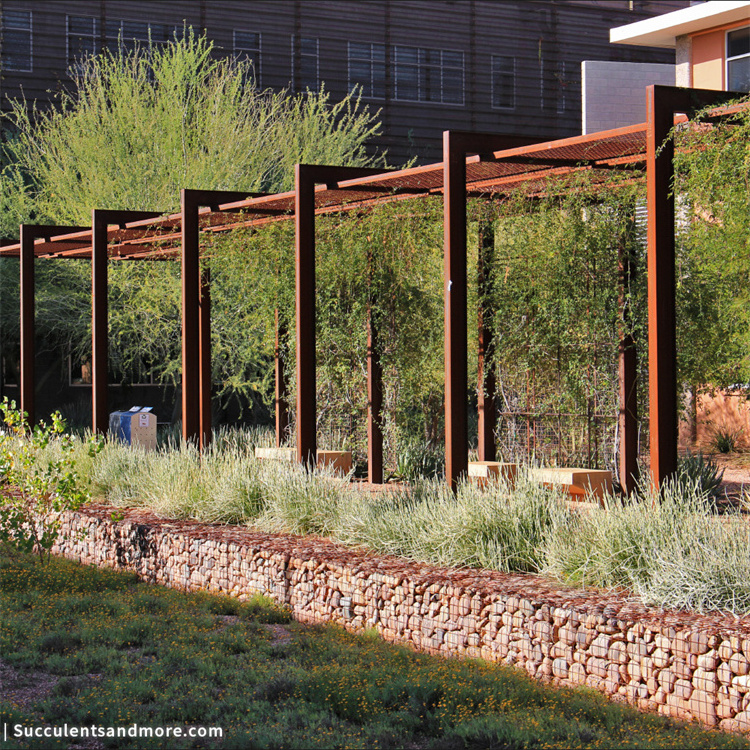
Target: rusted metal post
(30,233)
(306,176)
(454,279)
(374,386)
(456,145)
(662,350)
(191,354)
(204,356)
(282,392)
(485,370)
(196,315)
(374,403)
(100,221)
(28,348)
(304,202)
(662,104)
(99,324)
(628,373)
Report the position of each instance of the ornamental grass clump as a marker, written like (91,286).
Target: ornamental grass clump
(302,502)
(496,527)
(668,548)
(222,486)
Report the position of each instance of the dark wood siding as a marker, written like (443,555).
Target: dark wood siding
(548,40)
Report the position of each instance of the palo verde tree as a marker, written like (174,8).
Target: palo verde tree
(136,127)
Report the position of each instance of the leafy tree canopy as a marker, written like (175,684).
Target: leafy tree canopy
(138,126)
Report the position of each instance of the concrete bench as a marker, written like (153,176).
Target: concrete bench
(483,471)
(341,461)
(277,454)
(577,482)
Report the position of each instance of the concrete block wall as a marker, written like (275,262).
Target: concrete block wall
(678,664)
(613,94)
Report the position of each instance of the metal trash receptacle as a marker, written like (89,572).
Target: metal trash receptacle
(137,426)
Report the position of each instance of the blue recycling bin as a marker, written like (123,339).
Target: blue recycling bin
(137,426)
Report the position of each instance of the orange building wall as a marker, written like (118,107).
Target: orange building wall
(708,60)
(724,412)
(708,57)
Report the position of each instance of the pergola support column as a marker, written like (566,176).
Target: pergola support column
(628,374)
(454,282)
(99,324)
(304,218)
(485,370)
(196,314)
(191,353)
(374,403)
(456,145)
(306,176)
(100,220)
(204,355)
(28,347)
(662,104)
(29,233)
(282,391)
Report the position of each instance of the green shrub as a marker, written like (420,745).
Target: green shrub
(701,474)
(419,460)
(38,479)
(725,440)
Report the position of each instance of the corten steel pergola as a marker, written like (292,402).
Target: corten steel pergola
(474,164)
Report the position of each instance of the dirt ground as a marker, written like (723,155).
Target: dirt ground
(736,479)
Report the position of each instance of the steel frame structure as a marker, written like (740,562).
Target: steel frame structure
(306,177)
(473,164)
(29,233)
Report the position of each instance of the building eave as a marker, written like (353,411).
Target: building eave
(662,31)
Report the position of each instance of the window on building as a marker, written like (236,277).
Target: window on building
(247,47)
(131,34)
(738,59)
(83,38)
(503,82)
(367,69)
(429,75)
(305,63)
(16,40)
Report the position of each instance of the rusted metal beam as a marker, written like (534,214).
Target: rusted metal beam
(100,221)
(306,176)
(662,104)
(485,370)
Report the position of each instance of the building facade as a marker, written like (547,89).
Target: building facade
(711,43)
(512,67)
